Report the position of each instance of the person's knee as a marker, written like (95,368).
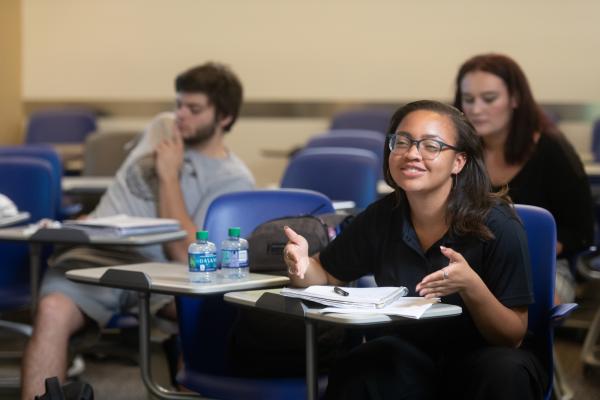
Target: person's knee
(59,312)
(500,368)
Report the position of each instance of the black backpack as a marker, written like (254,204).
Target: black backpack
(68,391)
(267,241)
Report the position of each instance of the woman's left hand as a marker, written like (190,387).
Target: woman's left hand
(453,278)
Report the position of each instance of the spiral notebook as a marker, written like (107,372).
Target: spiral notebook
(369,298)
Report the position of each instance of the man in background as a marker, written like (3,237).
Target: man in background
(178,167)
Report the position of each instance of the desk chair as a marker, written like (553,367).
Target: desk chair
(37,198)
(205,324)
(105,152)
(543,314)
(60,126)
(47,153)
(588,266)
(372,119)
(357,139)
(343,174)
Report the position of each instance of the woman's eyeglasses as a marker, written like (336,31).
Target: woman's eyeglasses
(428,148)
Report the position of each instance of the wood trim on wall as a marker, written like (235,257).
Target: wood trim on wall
(11,111)
(276,109)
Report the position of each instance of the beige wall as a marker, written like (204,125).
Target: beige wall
(365,50)
(10,72)
(314,50)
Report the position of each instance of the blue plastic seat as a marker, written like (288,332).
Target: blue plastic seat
(372,119)
(205,323)
(543,314)
(28,183)
(60,126)
(342,174)
(47,153)
(358,139)
(35,197)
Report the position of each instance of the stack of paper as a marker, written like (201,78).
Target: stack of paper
(409,307)
(366,298)
(124,225)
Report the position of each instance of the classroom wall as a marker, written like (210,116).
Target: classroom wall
(11,116)
(330,53)
(313,49)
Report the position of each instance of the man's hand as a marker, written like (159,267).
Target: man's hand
(169,157)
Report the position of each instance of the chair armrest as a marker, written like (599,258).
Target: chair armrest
(560,312)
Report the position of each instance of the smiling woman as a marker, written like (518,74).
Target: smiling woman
(443,233)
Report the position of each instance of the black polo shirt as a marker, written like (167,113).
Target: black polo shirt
(382,241)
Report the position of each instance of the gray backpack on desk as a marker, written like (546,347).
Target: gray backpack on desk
(267,241)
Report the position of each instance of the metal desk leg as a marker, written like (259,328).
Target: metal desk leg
(312,388)
(144,338)
(35,264)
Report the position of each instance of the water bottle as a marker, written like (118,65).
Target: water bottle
(202,259)
(234,255)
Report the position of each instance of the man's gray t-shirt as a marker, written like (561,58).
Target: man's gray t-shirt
(202,179)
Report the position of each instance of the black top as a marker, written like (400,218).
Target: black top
(382,241)
(553,178)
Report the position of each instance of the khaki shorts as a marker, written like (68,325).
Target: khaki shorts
(98,303)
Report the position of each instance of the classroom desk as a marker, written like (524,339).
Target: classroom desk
(271,300)
(593,172)
(86,184)
(71,155)
(14,220)
(170,279)
(73,236)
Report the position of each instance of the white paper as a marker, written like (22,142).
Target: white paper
(121,224)
(371,297)
(410,307)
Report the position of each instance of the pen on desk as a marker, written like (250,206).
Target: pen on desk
(340,291)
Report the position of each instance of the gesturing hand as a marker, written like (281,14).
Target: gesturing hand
(295,253)
(450,279)
(169,156)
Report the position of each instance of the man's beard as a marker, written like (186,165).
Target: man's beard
(202,135)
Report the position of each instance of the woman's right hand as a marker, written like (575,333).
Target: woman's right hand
(295,253)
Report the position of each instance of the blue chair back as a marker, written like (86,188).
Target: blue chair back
(205,324)
(60,126)
(367,140)
(42,152)
(541,237)
(371,119)
(28,183)
(340,173)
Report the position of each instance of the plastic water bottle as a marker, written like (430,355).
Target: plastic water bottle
(234,255)
(202,259)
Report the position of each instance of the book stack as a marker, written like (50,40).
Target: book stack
(123,225)
(348,297)
(372,300)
